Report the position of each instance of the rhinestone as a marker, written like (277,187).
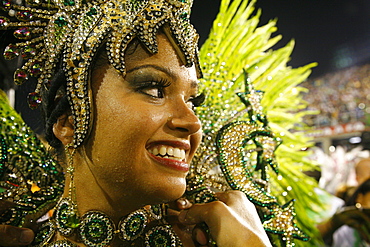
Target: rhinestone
(22,33)
(4,22)
(6,4)
(34,100)
(11,52)
(24,15)
(60,21)
(35,69)
(69,3)
(20,76)
(92,12)
(28,51)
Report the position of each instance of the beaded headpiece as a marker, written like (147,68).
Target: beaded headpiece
(71,31)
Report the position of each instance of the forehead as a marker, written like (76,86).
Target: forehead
(166,59)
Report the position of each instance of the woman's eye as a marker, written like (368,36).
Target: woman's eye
(196,101)
(153,92)
(154,88)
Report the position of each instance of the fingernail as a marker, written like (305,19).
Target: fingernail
(182,201)
(201,237)
(26,236)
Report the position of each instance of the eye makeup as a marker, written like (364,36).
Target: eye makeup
(198,100)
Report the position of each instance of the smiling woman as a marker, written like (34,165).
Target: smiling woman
(150,109)
(123,120)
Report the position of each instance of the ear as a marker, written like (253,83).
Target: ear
(63,129)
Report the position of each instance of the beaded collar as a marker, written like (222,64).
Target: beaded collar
(143,227)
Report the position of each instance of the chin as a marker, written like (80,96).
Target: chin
(168,193)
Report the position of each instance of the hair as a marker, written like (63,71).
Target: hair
(363,189)
(54,104)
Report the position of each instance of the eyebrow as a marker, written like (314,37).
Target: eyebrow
(193,84)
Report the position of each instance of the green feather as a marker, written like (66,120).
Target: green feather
(237,42)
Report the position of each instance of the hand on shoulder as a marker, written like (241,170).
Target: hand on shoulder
(11,235)
(15,236)
(232,221)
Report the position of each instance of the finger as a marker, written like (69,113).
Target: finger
(225,223)
(176,206)
(183,203)
(5,205)
(231,196)
(239,203)
(202,212)
(13,236)
(173,213)
(200,236)
(180,204)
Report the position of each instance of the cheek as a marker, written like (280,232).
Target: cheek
(127,123)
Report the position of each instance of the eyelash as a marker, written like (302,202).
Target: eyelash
(160,85)
(198,100)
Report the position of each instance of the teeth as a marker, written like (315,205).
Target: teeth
(163,150)
(176,152)
(169,152)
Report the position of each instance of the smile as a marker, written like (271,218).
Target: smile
(168,152)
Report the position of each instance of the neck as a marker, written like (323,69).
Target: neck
(96,194)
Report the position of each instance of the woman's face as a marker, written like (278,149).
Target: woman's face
(145,132)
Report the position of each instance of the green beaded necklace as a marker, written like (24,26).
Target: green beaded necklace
(143,227)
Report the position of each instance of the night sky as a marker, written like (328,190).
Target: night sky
(334,33)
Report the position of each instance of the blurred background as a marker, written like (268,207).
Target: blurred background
(336,35)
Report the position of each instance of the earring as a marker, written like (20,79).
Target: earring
(70,169)
(67,218)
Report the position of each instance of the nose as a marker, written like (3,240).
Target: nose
(183,119)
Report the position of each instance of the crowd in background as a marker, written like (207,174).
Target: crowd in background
(341,97)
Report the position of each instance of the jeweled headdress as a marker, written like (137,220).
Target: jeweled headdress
(71,31)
